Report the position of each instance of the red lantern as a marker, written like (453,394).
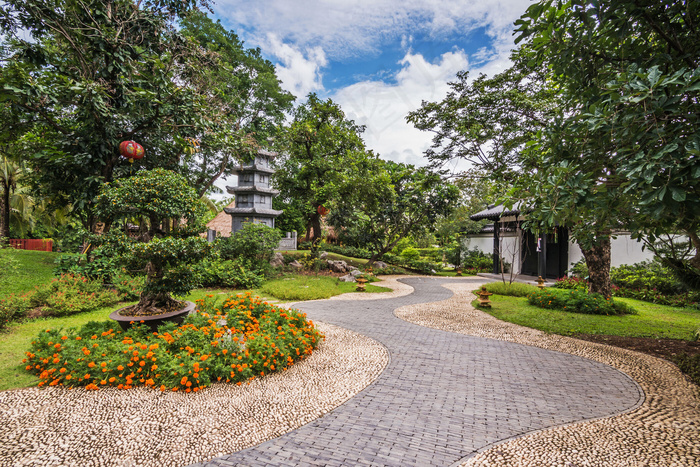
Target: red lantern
(131,150)
(322,210)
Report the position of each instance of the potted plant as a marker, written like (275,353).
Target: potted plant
(169,214)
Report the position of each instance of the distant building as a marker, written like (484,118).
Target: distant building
(253,202)
(550,254)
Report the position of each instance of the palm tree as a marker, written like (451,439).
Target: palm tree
(10,172)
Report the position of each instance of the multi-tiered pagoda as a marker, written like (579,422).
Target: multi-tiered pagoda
(253,193)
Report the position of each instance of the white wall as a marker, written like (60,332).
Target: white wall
(482,242)
(623,250)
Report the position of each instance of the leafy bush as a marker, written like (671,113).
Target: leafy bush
(100,266)
(690,365)
(62,296)
(401,245)
(14,307)
(477,260)
(431,254)
(515,289)
(578,301)
(213,272)
(350,251)
(410,254)
(571,283)
(234,342)
(649,275)
(128,287)
(253,246)
(423,267)
(579,269)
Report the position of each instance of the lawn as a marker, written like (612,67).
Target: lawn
(35,268)
(654,321)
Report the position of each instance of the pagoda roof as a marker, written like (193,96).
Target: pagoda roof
(262,212)
(251,168)
(494,213)
(251,189)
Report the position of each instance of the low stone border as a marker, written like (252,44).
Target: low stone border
(144,427)
(663,431)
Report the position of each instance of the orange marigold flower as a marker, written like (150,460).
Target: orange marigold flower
(91,364)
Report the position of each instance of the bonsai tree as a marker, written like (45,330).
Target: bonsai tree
(170,215)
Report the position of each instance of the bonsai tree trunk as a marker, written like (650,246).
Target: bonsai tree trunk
(154,302)
(598,262)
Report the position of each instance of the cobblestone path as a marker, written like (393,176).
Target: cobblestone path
(443,395)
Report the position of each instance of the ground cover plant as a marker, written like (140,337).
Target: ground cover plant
(514,289)
(66,295)
(237,341)
(578,301)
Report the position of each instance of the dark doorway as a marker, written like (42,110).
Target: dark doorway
(557,254)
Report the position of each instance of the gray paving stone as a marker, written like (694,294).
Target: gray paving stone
(443,395)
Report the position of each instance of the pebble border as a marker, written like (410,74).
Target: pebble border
(144,427)
(663,431)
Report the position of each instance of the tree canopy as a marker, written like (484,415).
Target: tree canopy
(324,159)
(96,73)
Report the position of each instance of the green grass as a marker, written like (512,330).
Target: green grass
(15,340)
(655,321)
(514,289)
(311,287)
(34,268)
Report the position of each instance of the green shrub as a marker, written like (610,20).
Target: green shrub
(99,266)
(579,269)
(477,260)
(71,294)
(571,283)
(410,254)
(690,365)
(239,340)
(351,251)
(128,287)
(253,246)
(401,245)
(230,274)
(14,307)
(648,275)
(577,301)
(431,254)
(515,289)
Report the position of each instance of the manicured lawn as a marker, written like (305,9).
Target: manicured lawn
(311,287)
(656,321)
(35,268)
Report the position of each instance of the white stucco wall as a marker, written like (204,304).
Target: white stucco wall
(623,250)
(482,242)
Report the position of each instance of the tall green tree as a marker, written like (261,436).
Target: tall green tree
(487,121)
(411,203)
(247,94)
(325,158)
(95,73)
(628,74)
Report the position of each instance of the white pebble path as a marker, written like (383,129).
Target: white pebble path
(663,432)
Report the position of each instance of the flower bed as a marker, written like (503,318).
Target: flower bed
(243,339)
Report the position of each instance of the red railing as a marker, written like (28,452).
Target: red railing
(31,244)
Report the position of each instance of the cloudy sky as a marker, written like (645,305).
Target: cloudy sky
(378,59)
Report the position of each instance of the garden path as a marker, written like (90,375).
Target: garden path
(443,396)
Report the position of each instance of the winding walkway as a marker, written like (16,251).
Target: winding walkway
(443,396)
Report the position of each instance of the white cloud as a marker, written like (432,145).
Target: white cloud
(299,71)
(347,29)
(383,106)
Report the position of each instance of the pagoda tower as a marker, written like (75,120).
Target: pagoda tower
(253,193)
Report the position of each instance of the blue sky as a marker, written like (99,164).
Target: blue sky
(377,58)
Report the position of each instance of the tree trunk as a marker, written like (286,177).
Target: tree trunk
(5,213)
(598,262)
(695,240)
(316,224)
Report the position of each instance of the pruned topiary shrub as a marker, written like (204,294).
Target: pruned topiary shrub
(578,301)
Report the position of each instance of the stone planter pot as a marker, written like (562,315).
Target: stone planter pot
(153,321)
